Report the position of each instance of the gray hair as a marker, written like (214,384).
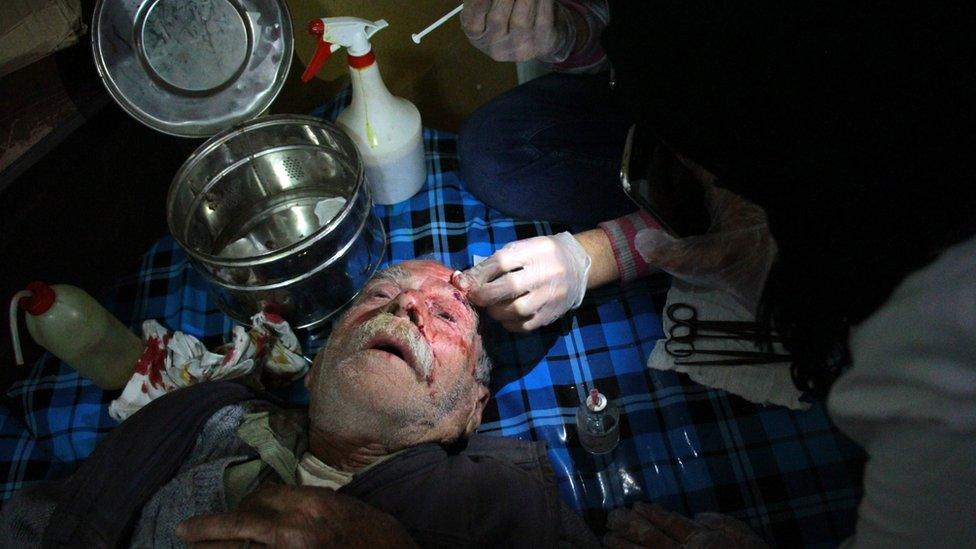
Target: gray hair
(483,364)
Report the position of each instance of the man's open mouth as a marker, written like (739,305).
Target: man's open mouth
(398,340)
(397,347)
(392,349)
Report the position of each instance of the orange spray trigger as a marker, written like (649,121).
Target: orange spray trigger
(351,33)
(322,52)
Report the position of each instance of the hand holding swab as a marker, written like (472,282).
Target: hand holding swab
(416,37)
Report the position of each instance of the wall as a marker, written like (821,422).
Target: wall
(444,75)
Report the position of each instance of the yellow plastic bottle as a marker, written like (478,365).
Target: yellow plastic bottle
(74,327)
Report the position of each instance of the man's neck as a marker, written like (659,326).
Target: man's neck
(344,455)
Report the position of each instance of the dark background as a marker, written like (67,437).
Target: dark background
(85,203)
(85,213)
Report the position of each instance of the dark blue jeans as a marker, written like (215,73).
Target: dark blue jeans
(549,150)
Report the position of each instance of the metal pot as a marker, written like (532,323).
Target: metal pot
(275,213)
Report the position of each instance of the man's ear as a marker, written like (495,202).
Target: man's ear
(480,394)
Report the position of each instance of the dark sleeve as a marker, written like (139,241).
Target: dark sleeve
(524,507)
(466,502)
(511,507)
(26,514)
(497,493)
(102,501)
(573,531)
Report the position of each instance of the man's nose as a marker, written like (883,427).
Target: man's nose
(409,304)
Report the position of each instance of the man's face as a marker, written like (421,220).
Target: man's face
(400,364)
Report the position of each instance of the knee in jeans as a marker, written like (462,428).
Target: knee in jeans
(493,140)
(482,146)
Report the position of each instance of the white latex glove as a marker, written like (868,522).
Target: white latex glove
(529,283)
(650,525)
(734,255)
(519,30)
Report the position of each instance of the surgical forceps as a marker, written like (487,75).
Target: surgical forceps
(687,328)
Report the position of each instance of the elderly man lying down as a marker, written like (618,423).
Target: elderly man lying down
(395,398)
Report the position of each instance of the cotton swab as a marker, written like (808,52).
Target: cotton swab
(416,37)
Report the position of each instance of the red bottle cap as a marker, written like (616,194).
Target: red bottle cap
(41,301)
(362,61)
(596,402)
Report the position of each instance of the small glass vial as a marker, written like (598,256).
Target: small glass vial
(597,424)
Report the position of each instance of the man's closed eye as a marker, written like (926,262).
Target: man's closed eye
(444,315)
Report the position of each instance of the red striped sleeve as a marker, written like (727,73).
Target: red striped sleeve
(622,232)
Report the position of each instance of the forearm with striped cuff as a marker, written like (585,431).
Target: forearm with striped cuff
(622,232)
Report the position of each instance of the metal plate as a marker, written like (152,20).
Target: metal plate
(192,67)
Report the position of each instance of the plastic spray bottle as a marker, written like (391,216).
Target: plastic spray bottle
(386,129)
(597,424)
(77,329)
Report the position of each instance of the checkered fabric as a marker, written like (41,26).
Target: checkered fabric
(789,475)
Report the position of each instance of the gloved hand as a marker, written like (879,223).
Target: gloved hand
(650,525)
(519,30)
(529,283)
(734,255)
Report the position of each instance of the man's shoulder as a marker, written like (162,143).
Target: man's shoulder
(481,460)
(497,469)
(491,490)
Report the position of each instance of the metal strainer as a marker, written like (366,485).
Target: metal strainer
(275,213)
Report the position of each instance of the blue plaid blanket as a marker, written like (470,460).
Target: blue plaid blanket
(790,475)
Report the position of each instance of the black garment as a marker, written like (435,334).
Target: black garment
(849,122)
(495,492)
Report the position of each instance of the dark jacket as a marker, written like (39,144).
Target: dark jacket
(494,492)
(167,462)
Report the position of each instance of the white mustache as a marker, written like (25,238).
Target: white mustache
(402,330)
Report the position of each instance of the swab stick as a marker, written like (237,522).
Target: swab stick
(418,36)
